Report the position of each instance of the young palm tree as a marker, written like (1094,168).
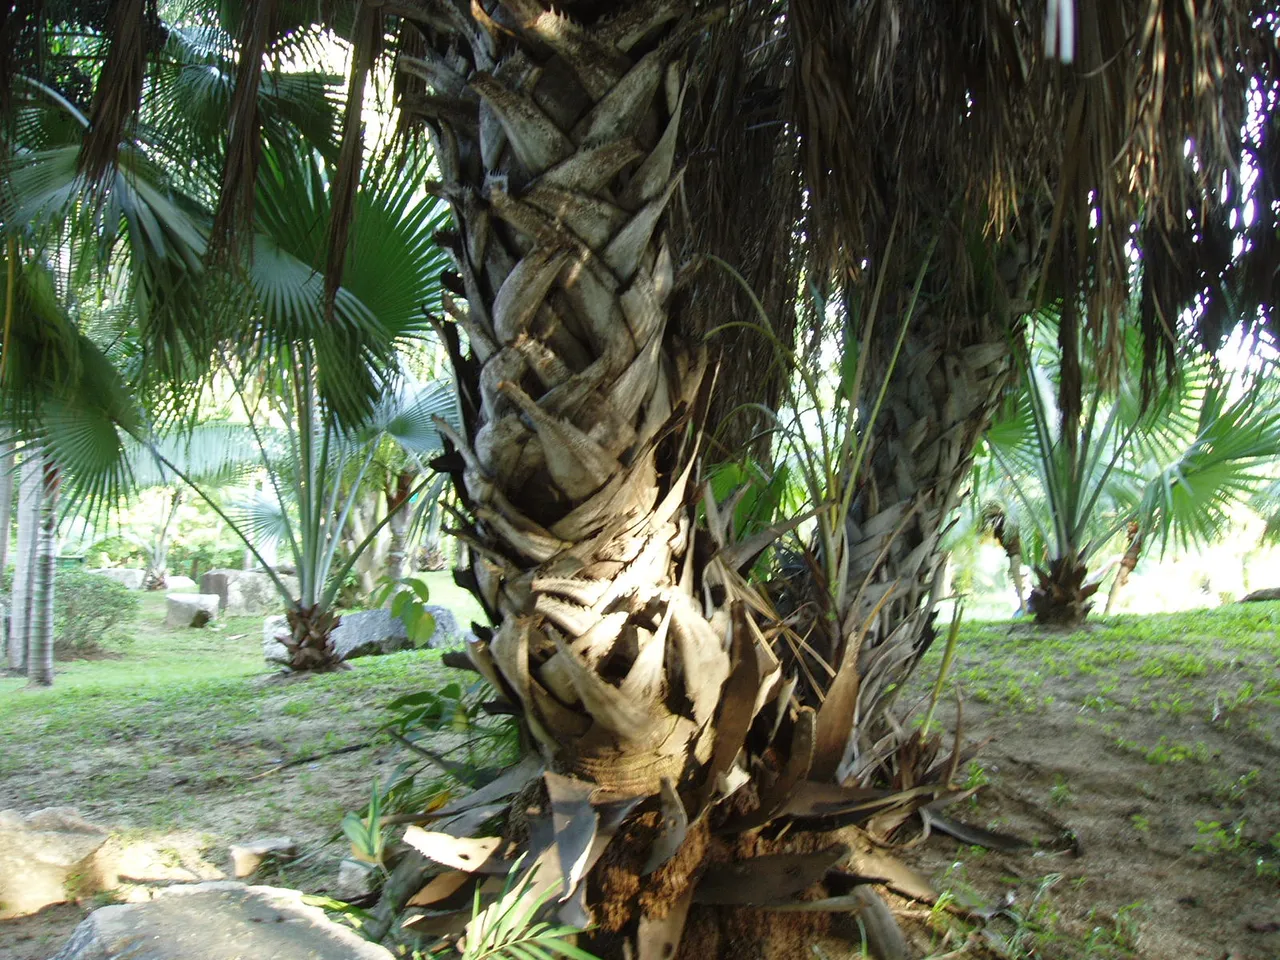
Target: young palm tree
(1172,471)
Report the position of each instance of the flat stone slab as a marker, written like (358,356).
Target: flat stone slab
(38,853)
(219,920)
(190,609)
(242,592)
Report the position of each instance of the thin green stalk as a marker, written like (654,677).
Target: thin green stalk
(284,591)
(948,655)
(336,582)
(341,524)
(272,475)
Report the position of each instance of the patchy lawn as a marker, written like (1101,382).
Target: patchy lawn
(1155,741)
(180,746)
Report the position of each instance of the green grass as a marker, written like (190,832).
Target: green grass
(1210,663)
(181,716)
(158,662)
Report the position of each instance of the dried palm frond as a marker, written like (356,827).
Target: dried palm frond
(747,220)
(234,215)
(960,111)
(119,89)
(347,178)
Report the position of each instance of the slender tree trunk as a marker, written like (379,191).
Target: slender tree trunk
(158,567)
(1132,554)
(398,526)
(939,398)
(29,493)
(397,557)
(7,467)
(40,655)
(1015,574)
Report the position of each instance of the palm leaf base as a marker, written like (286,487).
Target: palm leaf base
(310,640)
(1061,598)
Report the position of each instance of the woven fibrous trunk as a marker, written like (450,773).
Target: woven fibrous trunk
(1061,598)
(556,141)
(310,640)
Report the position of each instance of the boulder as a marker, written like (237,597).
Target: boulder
(190,609)
(1271,593)
(367,633)
(215,921)
(242,592)
(179,583)
(40,853)
(448,632)
(126,576)
(246,858)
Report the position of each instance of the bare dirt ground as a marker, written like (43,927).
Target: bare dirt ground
(1153,742)
(1158,754)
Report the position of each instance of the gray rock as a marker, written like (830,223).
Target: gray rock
(367,633)
(355,880)
(190,609)
(127,576)
(448,632)
(179,583)
(39,852)
(246,858)
(246,592)
(1271,593)
(217,921)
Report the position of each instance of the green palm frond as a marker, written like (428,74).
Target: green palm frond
(260,519)
(409,416)
(1191,499)
(508,928)
(1178,464)
(213,453)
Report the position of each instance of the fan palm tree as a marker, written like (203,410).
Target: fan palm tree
(952,155)
(1169,472)
(308,467)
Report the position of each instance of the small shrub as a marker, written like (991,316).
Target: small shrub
(88,608)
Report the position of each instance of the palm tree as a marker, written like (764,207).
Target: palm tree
(1168,472)
(330,358)
(950,155)
(308,466)
(25,560)
(40,642)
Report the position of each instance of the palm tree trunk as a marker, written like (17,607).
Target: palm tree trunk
(40,650)
(158,568)
(1132,554)
(939,398)
(616,626)
(573,463)
(398,526)
(29,493)
(7,466)
(1061,597)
